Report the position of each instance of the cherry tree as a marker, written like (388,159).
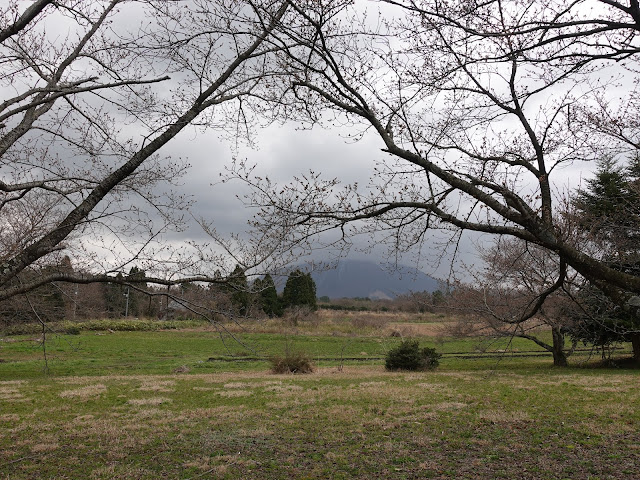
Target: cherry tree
(481,109)
(91,93)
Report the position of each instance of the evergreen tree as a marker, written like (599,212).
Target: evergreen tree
(609,210)
(268,295)
(238,287)
(300,289)
(310,297)
(114,296)
(134,296)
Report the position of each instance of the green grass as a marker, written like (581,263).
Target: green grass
(161,352)
(111,407)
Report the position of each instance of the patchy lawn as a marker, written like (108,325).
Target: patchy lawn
(355,422)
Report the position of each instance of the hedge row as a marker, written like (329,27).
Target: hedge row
(347,308)
(123,325)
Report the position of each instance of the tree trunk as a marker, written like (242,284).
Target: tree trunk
(635,345)
(559,356)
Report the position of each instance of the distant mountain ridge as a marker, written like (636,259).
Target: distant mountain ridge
(361,278)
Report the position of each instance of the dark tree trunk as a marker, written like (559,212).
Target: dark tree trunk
(635,345)
(559,355)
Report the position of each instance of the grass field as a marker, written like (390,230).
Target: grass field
(112,407)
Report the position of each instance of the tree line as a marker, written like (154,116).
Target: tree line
(234,299)
(299,292)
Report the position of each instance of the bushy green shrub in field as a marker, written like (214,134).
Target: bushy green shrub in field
(291,362)
(409,356)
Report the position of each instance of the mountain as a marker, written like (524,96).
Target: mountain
(359,278)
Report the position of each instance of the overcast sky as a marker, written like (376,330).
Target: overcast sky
(283,152)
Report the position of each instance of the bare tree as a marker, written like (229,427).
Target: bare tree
(93,90)
(478,107)
(516,295)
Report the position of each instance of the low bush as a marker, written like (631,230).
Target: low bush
(73,330)
(409,356)
(291,362)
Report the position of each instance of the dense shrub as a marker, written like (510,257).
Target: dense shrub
(409,356)
(291,362)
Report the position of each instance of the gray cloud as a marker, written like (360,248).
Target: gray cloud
(282,152)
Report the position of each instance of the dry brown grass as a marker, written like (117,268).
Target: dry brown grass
(374,316)
(85,393)
(449,406)
(117,471)
(12,382)
(236,385)
(501,416)
(234,393)
(283,388)
(149,401)
(241,423)
(9,417)
(10,394)
(431,330)
(44,447)
(348,323)
(165,386)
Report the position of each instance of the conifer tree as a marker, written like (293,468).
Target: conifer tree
(238,287)
(271,304)
(609,210)
(300,289)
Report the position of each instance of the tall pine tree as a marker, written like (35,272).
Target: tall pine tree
(609,208)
